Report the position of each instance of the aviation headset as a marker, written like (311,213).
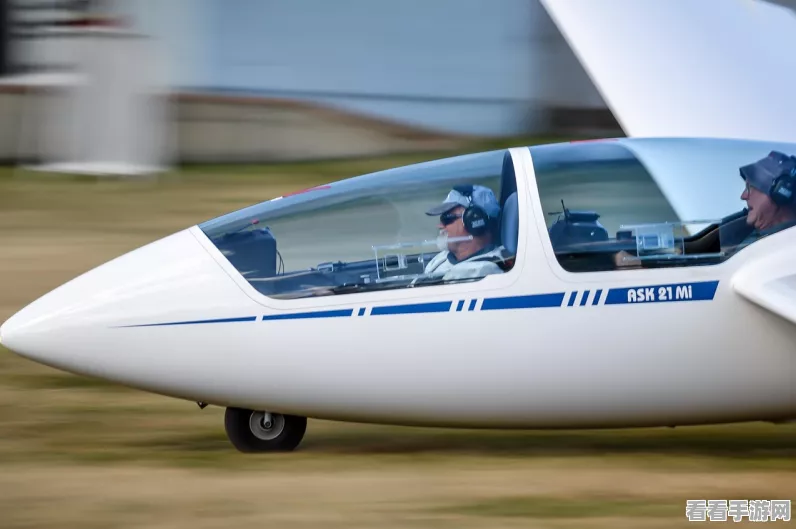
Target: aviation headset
(475,219)
(784,185)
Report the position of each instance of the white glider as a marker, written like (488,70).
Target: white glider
(612,283)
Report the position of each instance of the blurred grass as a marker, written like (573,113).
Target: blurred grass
(54,227)
(551,507)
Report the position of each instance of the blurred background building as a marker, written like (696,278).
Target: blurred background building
(261,80)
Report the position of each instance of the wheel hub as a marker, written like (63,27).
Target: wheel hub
(266,426)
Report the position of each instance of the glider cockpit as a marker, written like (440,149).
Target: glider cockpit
(379,231)
(652,203)
(606,205)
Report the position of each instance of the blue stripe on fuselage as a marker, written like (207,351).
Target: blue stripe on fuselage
(674,292)
(416,308)
(533,301)
(195,322)
(308,315)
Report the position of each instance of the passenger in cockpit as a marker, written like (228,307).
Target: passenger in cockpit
(473,212)
(769,195)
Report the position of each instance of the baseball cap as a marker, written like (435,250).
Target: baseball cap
(482,197)
(763,172)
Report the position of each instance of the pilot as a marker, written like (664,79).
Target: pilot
(770,186)
(468,211)
(769,195)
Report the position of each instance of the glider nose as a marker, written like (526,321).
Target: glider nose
(100,322)
(8,331)
(20,332)
(5,330)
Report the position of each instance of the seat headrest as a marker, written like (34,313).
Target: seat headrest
(510,224)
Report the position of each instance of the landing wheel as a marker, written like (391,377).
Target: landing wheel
(258,431)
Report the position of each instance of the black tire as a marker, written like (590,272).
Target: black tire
(246,433)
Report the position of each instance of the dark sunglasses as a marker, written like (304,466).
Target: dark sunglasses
(448,217)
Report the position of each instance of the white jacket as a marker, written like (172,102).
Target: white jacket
(478,265)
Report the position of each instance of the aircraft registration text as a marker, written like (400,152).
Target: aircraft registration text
(662,293)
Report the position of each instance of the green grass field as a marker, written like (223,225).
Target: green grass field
(80,453)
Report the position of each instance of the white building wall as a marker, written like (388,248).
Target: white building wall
(467,66)
(472,66)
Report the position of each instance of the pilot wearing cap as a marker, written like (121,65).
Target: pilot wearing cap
(769,194)
(472,212)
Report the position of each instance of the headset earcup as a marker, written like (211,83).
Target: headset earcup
(475,221)
(782,190)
